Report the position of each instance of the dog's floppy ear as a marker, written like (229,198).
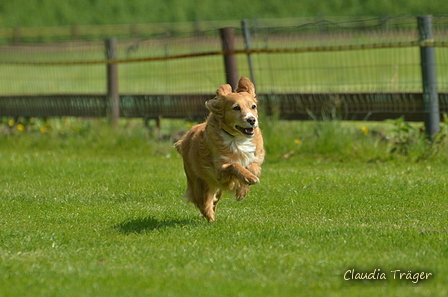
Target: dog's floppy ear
(245,85)
(216,105)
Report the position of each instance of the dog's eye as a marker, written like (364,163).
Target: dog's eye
(254,106)
(236,108)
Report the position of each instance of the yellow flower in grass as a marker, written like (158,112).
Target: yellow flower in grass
(21,127)
(43,129)
(11,123)
(298,141)
(365,130)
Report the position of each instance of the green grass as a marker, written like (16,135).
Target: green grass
(89,212)
(53,13)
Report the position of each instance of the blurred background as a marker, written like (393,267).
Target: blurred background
(42,13)
(355,60)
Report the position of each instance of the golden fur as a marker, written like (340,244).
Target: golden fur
(224,153)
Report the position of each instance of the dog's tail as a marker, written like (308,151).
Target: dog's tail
(178,146)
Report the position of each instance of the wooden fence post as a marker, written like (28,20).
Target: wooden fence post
(428,64)
(112,81)
(228,44)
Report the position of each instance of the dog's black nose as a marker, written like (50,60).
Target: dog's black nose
(251,120)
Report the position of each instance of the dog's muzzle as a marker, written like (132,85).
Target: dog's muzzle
(248,131)
(251,120)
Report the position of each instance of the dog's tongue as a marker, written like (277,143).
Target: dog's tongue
(249,130)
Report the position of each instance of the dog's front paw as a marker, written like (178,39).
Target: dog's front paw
(241,192)
(251,179)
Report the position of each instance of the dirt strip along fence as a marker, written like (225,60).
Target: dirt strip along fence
(371,69)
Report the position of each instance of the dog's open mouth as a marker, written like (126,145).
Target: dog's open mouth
(246,131)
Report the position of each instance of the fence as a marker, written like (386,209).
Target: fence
(357,70)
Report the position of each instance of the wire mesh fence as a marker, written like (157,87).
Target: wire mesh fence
(378,55)
(367,69)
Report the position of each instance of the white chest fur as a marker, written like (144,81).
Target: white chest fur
(242,150)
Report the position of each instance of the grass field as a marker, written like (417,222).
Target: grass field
(89,212)
(54,13)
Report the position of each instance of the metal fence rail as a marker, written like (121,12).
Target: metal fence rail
(357,70)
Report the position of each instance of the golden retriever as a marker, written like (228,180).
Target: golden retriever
(225,152)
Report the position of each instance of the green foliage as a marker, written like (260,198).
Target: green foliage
(53,13)
(75,134)
(412,141)
(88,211)
(402,136)
(322,140)
(362,141)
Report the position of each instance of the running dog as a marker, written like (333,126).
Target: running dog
(225,152)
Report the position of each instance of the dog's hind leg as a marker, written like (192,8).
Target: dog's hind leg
(208,206)
(203,198)
(218,196)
